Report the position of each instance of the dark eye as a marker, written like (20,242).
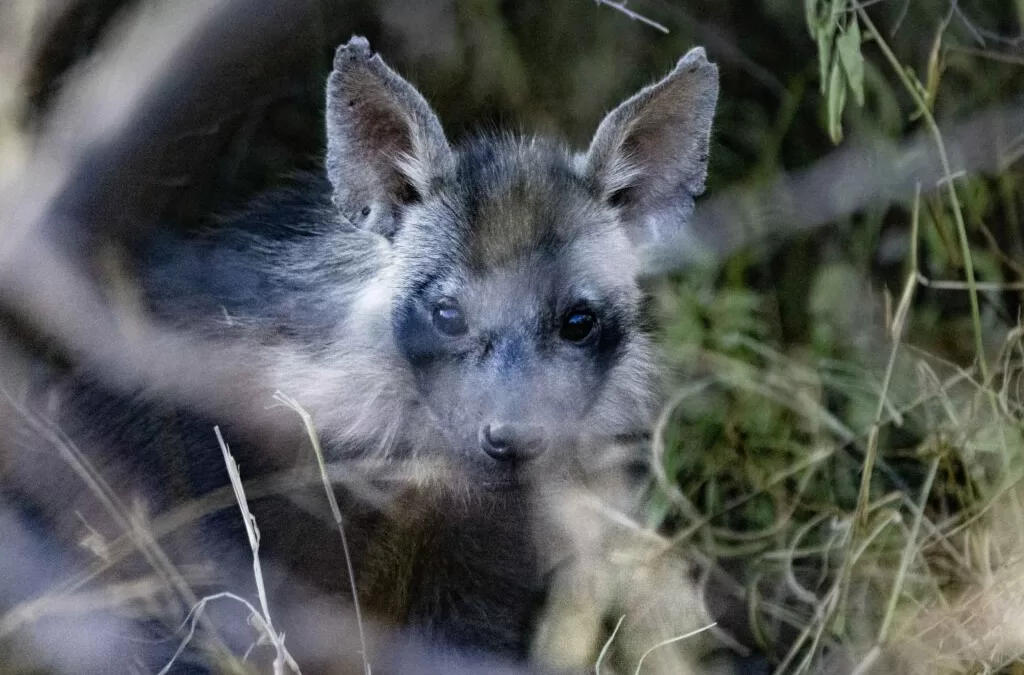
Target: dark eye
(448,318)
(578,325)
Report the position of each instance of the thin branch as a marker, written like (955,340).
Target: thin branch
(635,16)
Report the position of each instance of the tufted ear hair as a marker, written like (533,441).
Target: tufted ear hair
(649,156)
(385,146)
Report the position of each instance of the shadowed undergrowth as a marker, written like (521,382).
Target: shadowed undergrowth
(854,445)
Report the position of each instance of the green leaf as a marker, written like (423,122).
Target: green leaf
(811,15)
(836,100)
(848,47)
(824,39)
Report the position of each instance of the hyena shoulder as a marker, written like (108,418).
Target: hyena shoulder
(285,264)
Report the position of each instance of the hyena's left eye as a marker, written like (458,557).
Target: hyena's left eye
(578,325)
(449,318)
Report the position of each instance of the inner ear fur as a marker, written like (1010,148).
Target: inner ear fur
(649,155)
(385,146)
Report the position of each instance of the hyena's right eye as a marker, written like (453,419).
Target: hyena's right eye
(449,318)
(578,325)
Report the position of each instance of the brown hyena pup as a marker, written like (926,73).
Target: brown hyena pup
(466,321)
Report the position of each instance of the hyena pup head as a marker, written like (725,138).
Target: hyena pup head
(512,269)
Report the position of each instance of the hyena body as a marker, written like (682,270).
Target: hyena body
(474,310)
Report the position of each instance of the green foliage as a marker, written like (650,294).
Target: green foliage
(836,31)
(801,370)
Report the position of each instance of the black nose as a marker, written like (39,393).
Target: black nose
(512,442)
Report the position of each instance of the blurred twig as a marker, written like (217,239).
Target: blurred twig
(635,16)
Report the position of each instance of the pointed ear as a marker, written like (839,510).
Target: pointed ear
(385,146)
(649,156)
